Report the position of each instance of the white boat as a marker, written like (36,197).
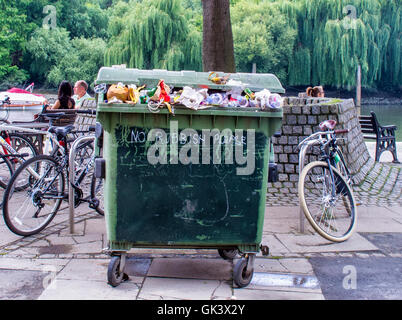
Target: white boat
(20,98)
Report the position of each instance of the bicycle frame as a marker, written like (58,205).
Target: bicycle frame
(51,139)
(325,139)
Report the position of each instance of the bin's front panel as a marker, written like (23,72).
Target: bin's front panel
(163,199)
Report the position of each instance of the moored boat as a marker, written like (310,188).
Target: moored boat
(23,98)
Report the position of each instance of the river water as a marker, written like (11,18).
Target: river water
(387,115)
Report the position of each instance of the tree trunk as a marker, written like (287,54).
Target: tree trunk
(217,47)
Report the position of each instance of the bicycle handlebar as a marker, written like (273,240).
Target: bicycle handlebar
(341,131)
(321,133)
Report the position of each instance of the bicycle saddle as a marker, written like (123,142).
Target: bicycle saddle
(61,131)
(328,125)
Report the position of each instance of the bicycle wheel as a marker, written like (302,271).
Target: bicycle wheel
(6,171)
(332,214)
(83,181)
(30,210)
(97,194)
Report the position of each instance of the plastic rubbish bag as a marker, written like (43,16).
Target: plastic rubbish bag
(192,98)
(275,101)
(262,97)
(215,99)
(118,91)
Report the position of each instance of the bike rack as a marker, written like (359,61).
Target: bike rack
(71,177)
(302,155)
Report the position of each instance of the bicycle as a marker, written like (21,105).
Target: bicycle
(15,148)
(325,187)
(27,212)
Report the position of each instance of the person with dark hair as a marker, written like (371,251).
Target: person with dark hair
(64,99)
(316,92)
(80,93)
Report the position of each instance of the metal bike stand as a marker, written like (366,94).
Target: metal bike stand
(71,177)
(302,155)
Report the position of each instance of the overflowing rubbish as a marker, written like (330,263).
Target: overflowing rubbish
(236,95)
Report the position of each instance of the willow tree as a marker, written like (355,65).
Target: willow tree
(153,35)
(391,71)
(334,37)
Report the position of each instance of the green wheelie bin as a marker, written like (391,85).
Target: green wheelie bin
(180,176)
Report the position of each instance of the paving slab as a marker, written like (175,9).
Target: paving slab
(282,212)
(32,264)
(297,265)
(85,269)
(397,210)
(21,284)
(275,246)
(7,236)
(184,289)
(268,265)
(88,290)
(379,212)
(378,225)
(316,243)
(210,269)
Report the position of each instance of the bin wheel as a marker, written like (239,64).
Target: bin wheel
(228,254)
(241,276)
(114,276)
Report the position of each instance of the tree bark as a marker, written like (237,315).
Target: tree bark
(217,47)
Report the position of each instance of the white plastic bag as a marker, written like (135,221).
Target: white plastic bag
(192,98)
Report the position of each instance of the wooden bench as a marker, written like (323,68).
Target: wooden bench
(68,118)
(384,135)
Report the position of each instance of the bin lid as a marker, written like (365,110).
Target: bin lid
(253,81)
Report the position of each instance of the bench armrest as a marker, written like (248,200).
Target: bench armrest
(391,127)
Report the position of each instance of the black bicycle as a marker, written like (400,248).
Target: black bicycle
(28,211)
(325,192)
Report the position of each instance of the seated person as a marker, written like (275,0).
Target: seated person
(64,99)
(80,93)
(316,92)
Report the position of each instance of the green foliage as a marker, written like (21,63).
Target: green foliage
(82,62)
(47,48)
(153,34)
(12,30)
(55,57)
(262,36)
(334,37)
(303,42)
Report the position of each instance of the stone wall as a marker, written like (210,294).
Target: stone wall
(301,118)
